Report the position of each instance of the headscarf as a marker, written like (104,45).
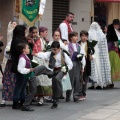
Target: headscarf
(95,32)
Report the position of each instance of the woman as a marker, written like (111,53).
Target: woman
(100,66)
(113,39)
(20,84)
(9,78)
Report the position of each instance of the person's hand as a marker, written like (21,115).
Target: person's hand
(14,24)
(1,37)
(90,57)
(31,69)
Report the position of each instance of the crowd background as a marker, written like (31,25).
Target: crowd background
(98,64)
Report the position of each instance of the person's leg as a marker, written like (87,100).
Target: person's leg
(57,88)
(72,78)
(85,80)
(42,70)
(20,80)
(41,100)
(77,85)
(30,96)
(23,93)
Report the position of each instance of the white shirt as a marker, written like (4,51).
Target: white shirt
(83,61)
(74,47)
(64,31)
(21,66)
(82,45)
(46,56)
(42,44)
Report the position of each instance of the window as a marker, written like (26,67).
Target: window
(60,9)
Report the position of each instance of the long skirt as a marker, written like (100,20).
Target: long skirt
(8,81)
(44,84)
(115,65)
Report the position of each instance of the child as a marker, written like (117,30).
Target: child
(25,68)
(59,62)
(88,57)
(43,32)
(75,73)
(56,37)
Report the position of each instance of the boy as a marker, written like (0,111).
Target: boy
(88,57)
(75,73)
(60,63)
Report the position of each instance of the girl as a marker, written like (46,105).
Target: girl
(39,45)
(56,37)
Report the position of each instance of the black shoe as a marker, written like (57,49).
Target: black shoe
(49,101)
(2,104)
(16,105)
(76,100)
(61,97)
(98,87)
(21,102)
(92,87)
(26,108)
(111,86)
(67,100)
(54,106)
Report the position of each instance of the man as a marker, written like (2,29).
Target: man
(66,27)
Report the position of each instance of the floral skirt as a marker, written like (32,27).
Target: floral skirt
(8,82)
(44,84)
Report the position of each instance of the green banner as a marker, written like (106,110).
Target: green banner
(29,11)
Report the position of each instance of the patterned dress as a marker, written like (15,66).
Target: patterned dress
(8,82)
(100,66)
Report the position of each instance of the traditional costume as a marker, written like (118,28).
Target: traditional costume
(65,29)
(100,66)
(56,64)
(75,72)
(9,78)
(24,66)
(43,82)
(86,50)
(113,38)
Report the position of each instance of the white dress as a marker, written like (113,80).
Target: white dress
(100,66)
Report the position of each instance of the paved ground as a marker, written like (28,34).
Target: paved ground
(99,105)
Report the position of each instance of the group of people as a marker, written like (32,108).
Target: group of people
(40,65)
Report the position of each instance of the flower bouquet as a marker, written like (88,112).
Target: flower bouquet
(7,49)
(64,69)
(91,45)
(80,56)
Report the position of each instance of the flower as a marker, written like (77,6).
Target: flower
(7,48)
(119,46)
(34,61)
(79,55)
(64,69)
